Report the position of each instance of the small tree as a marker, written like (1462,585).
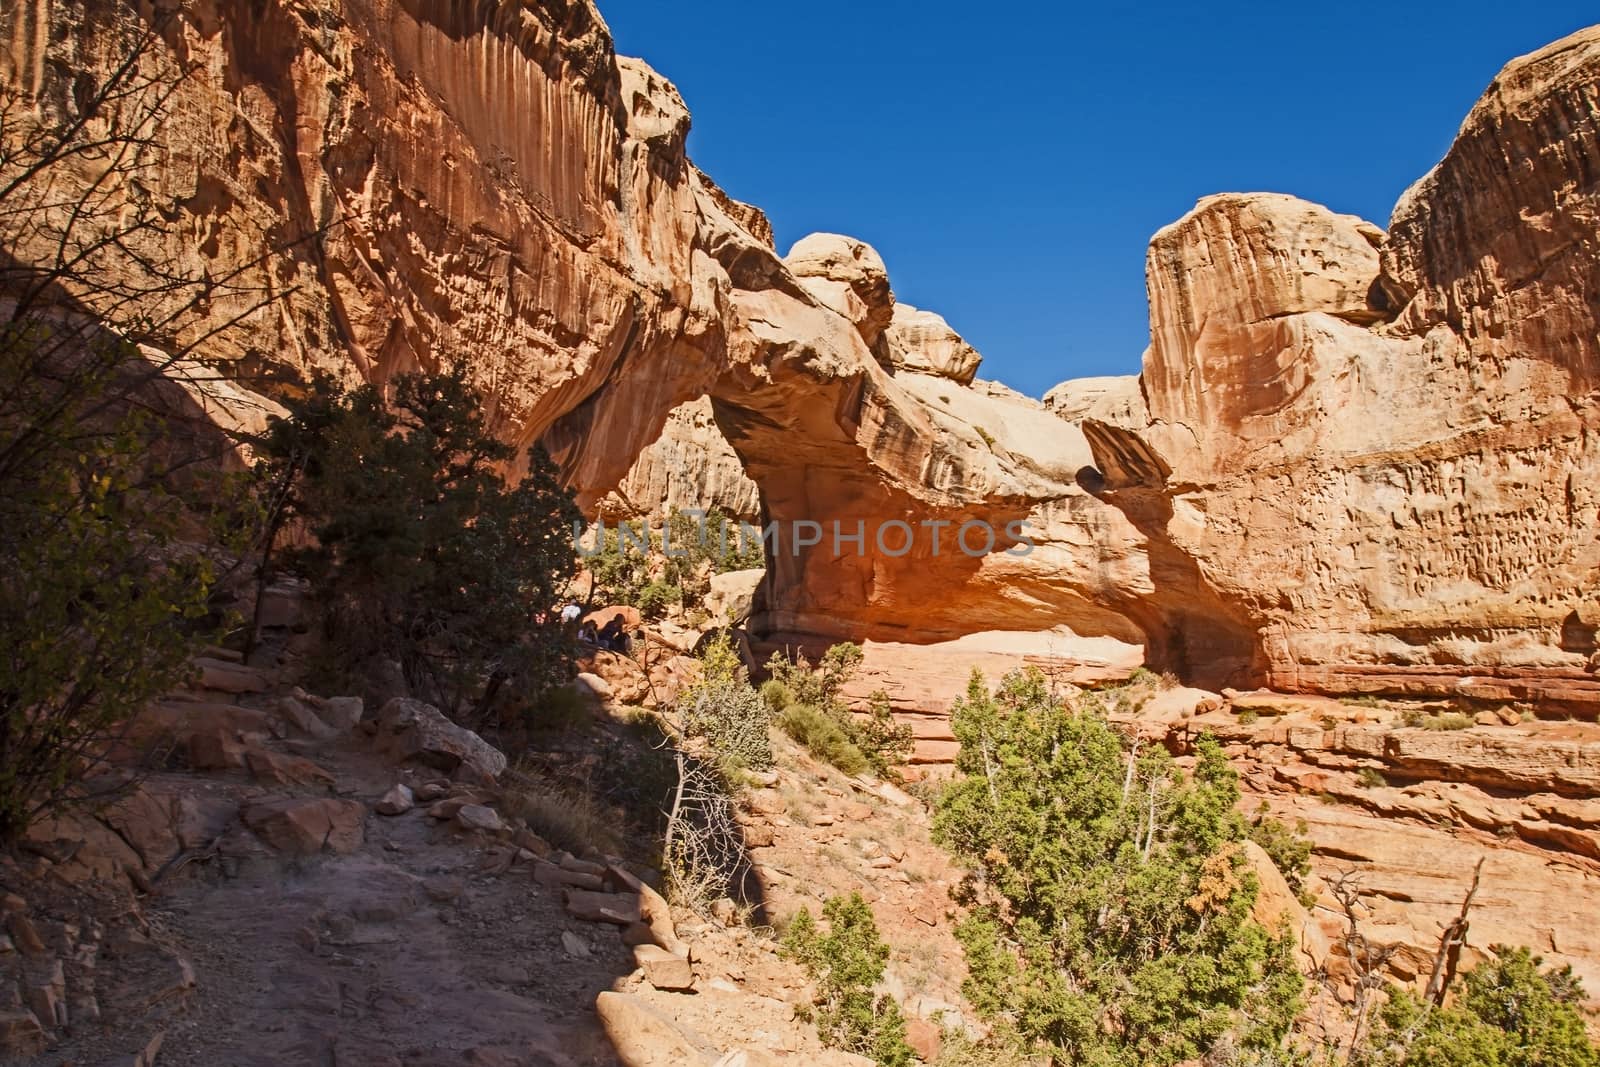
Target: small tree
(722,707)
(1110,900)
(847,963)
(101,608)
(1511,1013)
(104,590)
(421,551)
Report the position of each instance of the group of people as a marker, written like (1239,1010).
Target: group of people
(613,635)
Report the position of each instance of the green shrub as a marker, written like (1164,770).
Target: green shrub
(846,963)
(107,468)
(775,695)
(1371,778)
(1109,903)
(421,552)
(656,596)
(1249,716)
(643,567)
(1449,720)
(1510,1014)
(823,736)
(723,708)
(1289,849)
(876,739)
(101,608)
(885,741)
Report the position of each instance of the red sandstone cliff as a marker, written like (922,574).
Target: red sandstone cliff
(1356,460)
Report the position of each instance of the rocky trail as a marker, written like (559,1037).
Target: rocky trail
(302,884)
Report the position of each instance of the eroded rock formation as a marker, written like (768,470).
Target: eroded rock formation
(1382,448)
(690,466)
(1352,461)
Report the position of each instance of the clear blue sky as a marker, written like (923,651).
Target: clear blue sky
(1010,161)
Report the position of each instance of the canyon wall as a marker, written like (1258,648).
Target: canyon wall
(1354,460)
(413,183)
(1382,448)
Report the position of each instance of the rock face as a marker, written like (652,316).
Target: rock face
(847,276)
(1353,461)
(922,341)
(1380,451)
(1116,399)
(494,185)
(691,465)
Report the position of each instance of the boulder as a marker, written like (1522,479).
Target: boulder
(479,817)
(925,1039)
(620,909)
(411,730)
(922,341)
(340,714)
(592,687)
(397,801)
(304,718)
(662,969)
(275,768)
(644,1036)
(732,594)
(225,677)
(847,276)
(631,619)
(303,827)
(1276,906)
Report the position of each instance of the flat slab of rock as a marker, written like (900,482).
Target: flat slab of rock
(622,909)
(479,817)
(304,827)
(643,1036)
(275,768)
(304,718)
(552,875)
(225,677)
(662,969)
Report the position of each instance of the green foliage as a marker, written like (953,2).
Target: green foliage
(619,568)
(102,612)
(1109,900)
(823,736)
(642,568)
(422,552)
(723,708)
(775,695)
(1289,850)
(104,596)
(1510,1014)
(812,712)
(1371,778)
(115,523)
(1145,678)
(846,963)
(656,597)
(1249,716)
(883,739)
(1448,720)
